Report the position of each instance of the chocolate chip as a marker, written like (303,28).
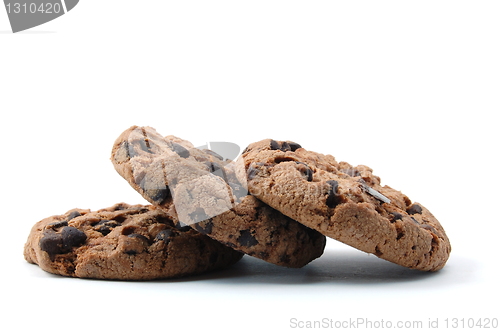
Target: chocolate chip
(73,215)
(252,172)
(58,224)
(182,227)
(285,147)
(138,236)
(131,252)
(72,237)
(306,170)
(246,238)
(395,216)
(144,145)
(206,228)
(198,215)
(274,145)
(180,150)
(158,195)
(414,209)
(164,235)
(415,221)
(127,230)
(105,226)
(120,207)
(52,243)
(333,198)
(216,169)
(429,228)
(294,146)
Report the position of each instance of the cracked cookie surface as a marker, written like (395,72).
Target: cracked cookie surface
(345,203)
(201,190)
(123,242)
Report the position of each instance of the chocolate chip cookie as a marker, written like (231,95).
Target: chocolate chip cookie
(201,190)
(345,203)
(123,242)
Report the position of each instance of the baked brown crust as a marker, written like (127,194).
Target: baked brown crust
(123,242)
(202,190)
(345,203)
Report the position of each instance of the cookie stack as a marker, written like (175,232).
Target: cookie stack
(277,202)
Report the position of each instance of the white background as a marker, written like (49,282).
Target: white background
(409,88)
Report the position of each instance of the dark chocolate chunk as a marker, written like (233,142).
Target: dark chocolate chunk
(306,170)
(285,147)
(198,215)
(206,228)
(52,243)
(246,238)
(216,169)
(127,230)
(252,172)
(72,237)
(180,150)
(333,198)
(144,145)
(182,227)
(165,235)
(294,146)
(158,195)
(395,216)
(73,215)
(58,224)
(120,207)
(138,236)
(105,226)
(414,209)
(274,145)
(429,228)
(131,252)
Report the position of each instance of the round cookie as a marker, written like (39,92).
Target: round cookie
(123,242)
(345,203)
(201,190)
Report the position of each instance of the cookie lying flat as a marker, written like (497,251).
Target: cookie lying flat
(345,203)
(202,191)
(123,242)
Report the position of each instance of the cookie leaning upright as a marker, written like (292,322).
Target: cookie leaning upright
(201,190)
(122,242)
(345,203)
